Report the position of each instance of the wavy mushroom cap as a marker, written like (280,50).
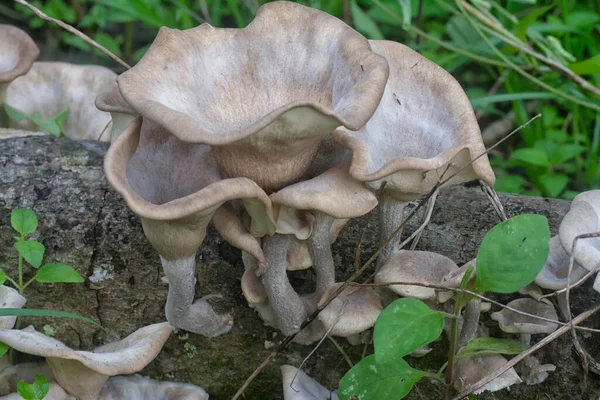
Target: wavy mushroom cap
(353,311)
(82,373)
(299,386)
(50,87)
(423,123)
(121,113)
(554,275)
(471,370)
(18,51)
(266,95)
(175,187)
(583,217)
(137,387)
(415,266)
(10,298)
(513,322)
(334,193)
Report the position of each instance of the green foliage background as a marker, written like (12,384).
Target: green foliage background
(514,58)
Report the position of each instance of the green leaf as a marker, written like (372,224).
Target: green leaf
(14,114)
(499,98)
(363,23)
(404,326)
(23,221)
(53,273)
(31,251)
(512,254)
(531,156)
(525,22)
(3,349)
(2,277)
(587,67)
(553,184)
(509,184)
(488,345)
(31,312)
(370,380)
(109,42)
(35,391)
(46,125)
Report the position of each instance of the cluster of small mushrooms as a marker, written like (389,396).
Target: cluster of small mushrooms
(278,134)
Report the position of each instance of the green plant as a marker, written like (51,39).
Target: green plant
(25,223)
(509,258)
(52,125)
(34,391)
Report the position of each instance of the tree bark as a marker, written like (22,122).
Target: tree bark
(84,223)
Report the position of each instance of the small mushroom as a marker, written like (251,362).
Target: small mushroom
(280,86)
(424,128)
(176,188)
(353,311)
(83,373)
(554,274)
(299,386)
(120,112)
(415,266)
(55,392)
(470,370)
(512,322)
(532,371)
(50,87)
(18,52)
(137,387)
(583,217)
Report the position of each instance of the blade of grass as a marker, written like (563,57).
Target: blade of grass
(30,312)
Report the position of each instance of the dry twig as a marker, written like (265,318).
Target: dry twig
(74,31)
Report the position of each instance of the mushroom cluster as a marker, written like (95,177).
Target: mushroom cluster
(43,89)
(277,134)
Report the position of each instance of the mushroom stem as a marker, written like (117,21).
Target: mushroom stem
(470,323)
(525,338)
(320,252)
(88,383)
(181,309)
(283,298)
(391,215)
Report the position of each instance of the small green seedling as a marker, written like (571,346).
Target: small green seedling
(34,391)
(190,350)
(25,223)
(509,258)
(52,125)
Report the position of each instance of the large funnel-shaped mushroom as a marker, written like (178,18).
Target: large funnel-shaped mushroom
(50,87)
(424,127)
(583,217)
(175,187)
(83,373)
(264,96)
(17,53)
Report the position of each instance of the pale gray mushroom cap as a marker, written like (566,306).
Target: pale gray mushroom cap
(137,387)
(49,87)
(10,298)
(470,370)
(415,266)
(353,311)
(266,95)
(554,274)
(18,51)
(513,322)
(82,373)
(423,123)
(299,386)
(583,217)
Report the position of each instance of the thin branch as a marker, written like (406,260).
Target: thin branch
(74,31)
(573,286)
(509,364)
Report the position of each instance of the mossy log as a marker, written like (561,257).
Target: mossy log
(84,223)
